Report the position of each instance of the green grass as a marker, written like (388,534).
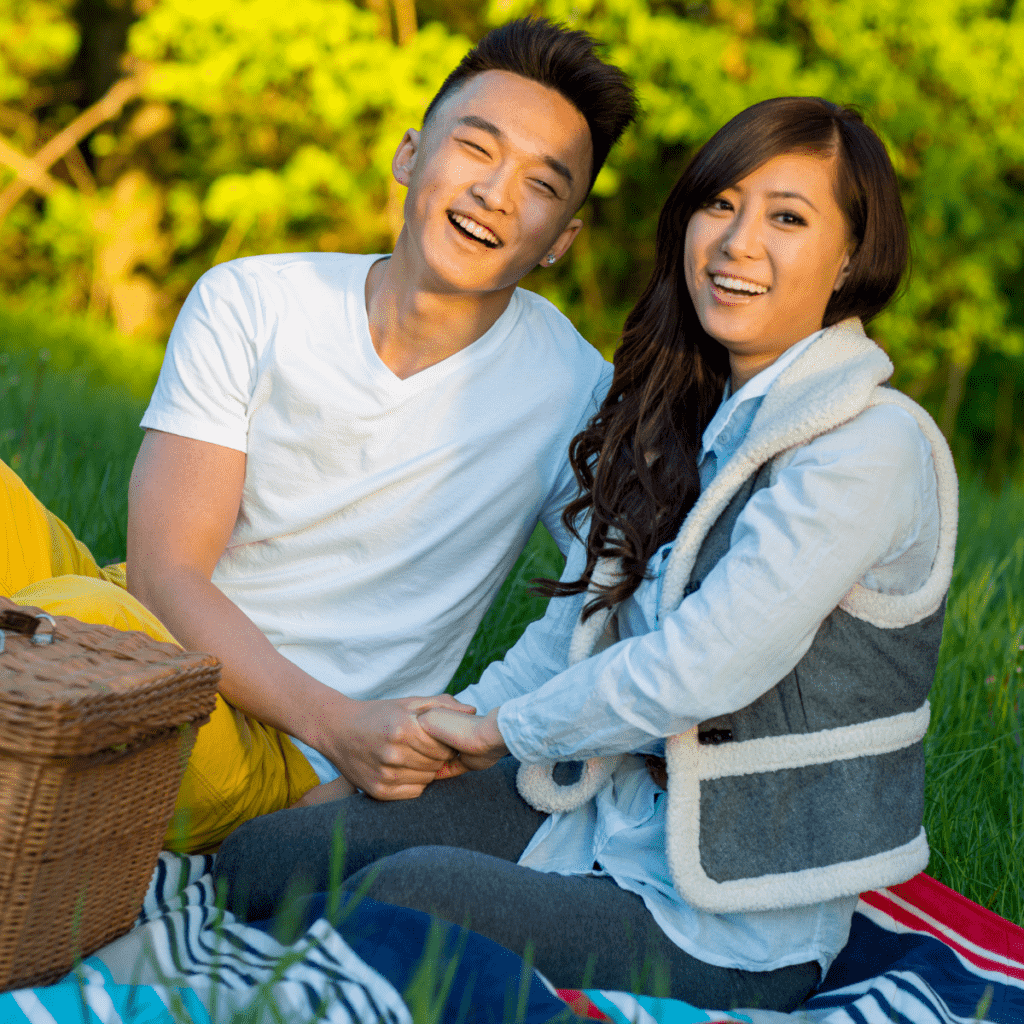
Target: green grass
(974,798)
(74,443)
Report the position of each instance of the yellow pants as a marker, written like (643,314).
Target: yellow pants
(239,767)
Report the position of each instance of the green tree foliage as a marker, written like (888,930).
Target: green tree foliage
(286,135)
(37,38)
(264,126)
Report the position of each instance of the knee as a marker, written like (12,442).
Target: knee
(420,878)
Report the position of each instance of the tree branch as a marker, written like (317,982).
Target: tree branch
(27,171)
(32,172)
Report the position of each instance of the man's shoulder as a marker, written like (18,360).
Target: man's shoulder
(294,271)
(554,335)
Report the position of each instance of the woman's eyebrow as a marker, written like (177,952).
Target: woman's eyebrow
(793,195)
(475,121)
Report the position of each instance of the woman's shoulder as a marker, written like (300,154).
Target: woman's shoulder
(884,452)
(887,432)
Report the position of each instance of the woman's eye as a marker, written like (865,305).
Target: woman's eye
(787,217)
(719,203)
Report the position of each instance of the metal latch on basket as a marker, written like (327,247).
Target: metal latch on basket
(26,625)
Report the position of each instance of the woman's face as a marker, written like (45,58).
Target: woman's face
(763,258)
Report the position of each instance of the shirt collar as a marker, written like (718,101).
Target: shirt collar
(755,388)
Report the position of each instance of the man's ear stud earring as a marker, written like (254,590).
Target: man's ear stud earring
(551,258)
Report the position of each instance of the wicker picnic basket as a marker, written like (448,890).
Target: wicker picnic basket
(96,725)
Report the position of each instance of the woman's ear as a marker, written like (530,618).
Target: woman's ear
(404,159)
(844,270)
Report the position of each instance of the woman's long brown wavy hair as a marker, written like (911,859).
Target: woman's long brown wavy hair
(636,460)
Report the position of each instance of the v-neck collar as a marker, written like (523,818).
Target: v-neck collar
(385,377)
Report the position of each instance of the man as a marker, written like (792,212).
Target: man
(345,454)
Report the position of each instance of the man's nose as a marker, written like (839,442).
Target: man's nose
(494,190)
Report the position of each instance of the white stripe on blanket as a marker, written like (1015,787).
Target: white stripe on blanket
(187,960)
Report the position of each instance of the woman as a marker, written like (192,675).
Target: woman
(742,641)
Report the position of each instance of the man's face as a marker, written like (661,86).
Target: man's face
(494,179)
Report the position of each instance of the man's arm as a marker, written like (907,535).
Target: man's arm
(183,501)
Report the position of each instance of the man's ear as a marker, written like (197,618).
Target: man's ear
(404,159)
(561,244)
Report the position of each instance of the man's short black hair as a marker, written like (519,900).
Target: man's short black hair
(562,59)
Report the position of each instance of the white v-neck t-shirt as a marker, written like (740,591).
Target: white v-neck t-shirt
(379,516)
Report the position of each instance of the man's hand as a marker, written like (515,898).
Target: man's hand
(381,747)
(478,740)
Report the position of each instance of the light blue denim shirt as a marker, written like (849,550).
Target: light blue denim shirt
(721,440)
(653,683)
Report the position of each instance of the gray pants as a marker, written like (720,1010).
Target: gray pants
(453,853)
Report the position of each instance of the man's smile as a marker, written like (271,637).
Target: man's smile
(473,229)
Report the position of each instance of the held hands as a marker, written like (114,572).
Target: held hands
(477,739)
(381,747)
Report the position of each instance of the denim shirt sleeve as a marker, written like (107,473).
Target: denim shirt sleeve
(540,653)
(847,499)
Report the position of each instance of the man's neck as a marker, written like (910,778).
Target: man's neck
(413,327)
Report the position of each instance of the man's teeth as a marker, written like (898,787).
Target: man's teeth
(735,284)
(476,230)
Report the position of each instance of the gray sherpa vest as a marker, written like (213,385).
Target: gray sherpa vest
(815,790)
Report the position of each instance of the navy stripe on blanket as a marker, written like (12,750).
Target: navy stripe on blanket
(480,982)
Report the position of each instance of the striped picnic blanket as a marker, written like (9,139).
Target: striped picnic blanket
(918,953)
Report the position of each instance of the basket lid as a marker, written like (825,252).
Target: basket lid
(69,688)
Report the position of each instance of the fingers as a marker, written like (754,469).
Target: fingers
(451,769)
(434,725)
(442,700)
(385,783)
(456,730)
(412,746)
(402,741)
(479,762)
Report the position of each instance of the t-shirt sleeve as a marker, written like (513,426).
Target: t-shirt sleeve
(566,488)
(209,370)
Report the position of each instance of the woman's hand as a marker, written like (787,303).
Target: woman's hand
(475,737)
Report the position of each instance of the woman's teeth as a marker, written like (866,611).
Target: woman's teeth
(735,284)
(478,231)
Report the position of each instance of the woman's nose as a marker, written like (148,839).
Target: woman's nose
(742,238)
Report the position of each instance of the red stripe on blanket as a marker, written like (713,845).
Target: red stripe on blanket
(961,922)
(581,1005)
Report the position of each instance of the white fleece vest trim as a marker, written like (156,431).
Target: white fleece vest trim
(539,788)
(586,635)
(765,892)
(831,382)
(799,750)
(894,611)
